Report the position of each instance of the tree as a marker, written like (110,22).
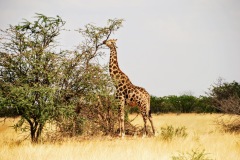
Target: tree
(44,85)
(29,70)
(226,97)
(87,85)
(187,103)
(158,105)
(204,104)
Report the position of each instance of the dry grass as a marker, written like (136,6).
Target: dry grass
(202,135)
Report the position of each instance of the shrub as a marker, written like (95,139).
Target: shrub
(230,124)
(193,155)
(169,132)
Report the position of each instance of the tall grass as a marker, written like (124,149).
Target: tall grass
(203,140)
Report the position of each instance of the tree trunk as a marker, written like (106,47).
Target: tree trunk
(36,131)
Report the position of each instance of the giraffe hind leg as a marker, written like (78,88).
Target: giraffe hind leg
(145,124)
(149,117)
(151,122)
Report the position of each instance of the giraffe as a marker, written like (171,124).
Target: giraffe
(126,92)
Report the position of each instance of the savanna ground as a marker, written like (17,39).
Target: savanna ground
(204,139)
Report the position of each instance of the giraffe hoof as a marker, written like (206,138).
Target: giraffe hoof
(155,134)
(121,135)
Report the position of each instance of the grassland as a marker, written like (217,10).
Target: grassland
(203,135)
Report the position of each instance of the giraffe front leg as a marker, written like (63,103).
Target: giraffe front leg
(121,126)
(121,119)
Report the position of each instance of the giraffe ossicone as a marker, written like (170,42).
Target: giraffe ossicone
(126,92)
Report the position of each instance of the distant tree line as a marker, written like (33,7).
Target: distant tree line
(182,104)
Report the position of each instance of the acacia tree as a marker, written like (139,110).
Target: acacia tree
(29,70)
(86,85)
(226,98)
(42,84)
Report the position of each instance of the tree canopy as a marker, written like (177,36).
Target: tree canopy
(45,86)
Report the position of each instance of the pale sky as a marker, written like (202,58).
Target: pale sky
(169,47)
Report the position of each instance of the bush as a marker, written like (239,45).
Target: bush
(231,124)
(169,132)
(193,155)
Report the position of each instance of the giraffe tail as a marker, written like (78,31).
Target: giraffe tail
(150,113)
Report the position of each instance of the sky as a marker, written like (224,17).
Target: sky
(169,47)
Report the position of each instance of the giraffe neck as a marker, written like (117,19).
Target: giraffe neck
(113,62)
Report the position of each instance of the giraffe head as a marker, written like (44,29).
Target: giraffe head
(110,42)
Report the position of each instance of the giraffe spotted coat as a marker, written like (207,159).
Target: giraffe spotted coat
(126,92)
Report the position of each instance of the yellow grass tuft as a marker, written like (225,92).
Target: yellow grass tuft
(202,134)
